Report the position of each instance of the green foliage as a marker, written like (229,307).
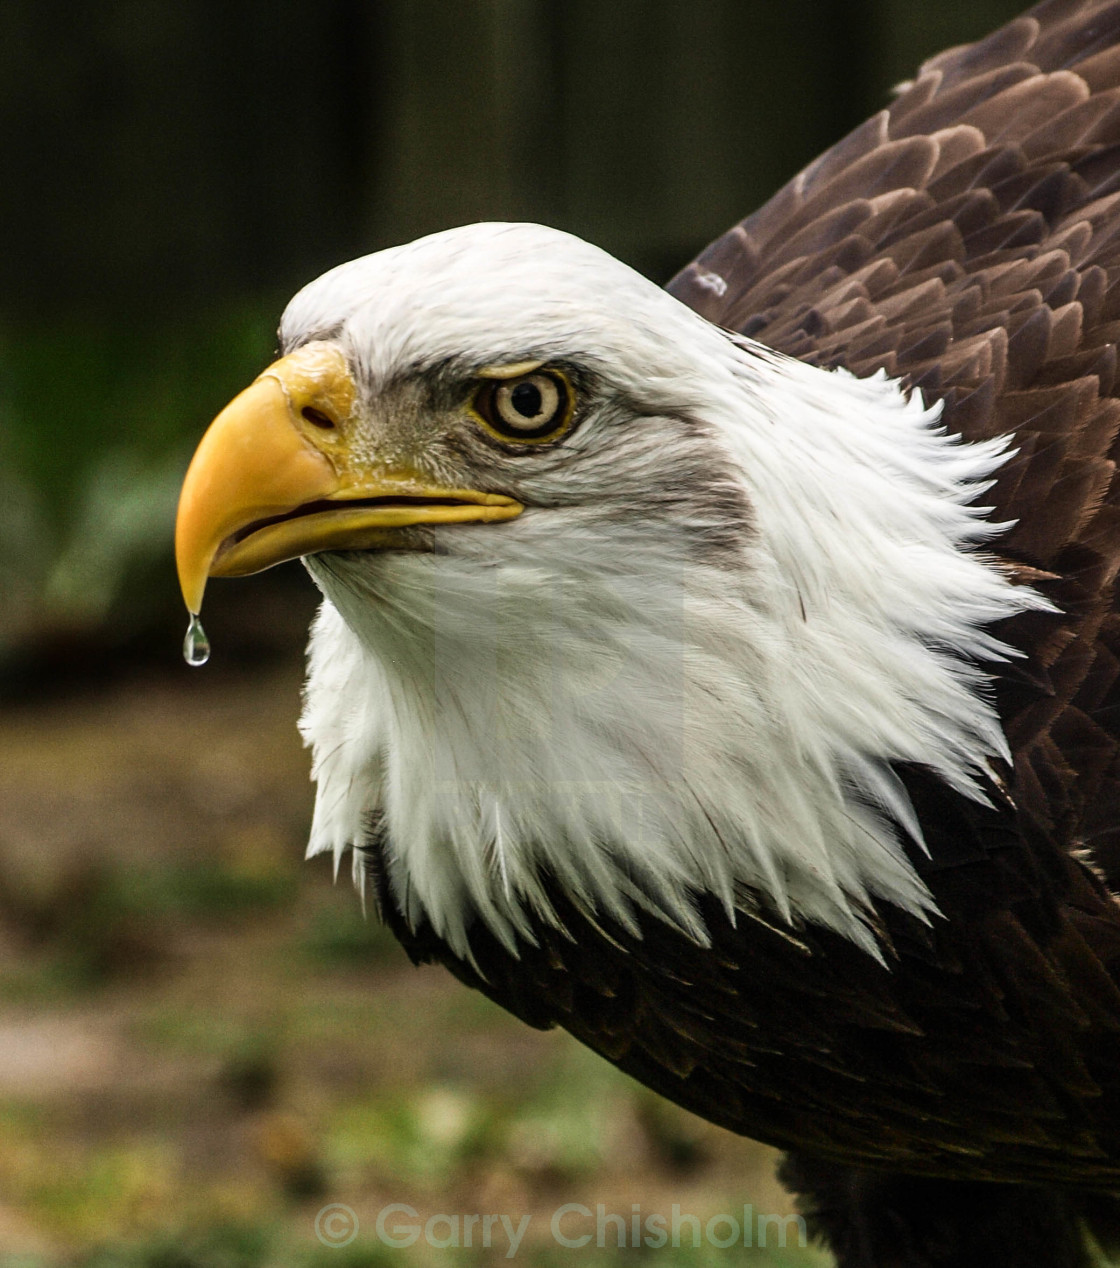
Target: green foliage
(108,384)
(98,421)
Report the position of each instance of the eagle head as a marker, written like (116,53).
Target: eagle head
(614,600)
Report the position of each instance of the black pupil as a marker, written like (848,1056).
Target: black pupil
(526,399)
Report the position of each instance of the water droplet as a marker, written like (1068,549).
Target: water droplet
(196,646)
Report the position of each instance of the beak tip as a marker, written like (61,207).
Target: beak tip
(192,590)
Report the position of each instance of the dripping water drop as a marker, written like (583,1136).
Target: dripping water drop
(196,646)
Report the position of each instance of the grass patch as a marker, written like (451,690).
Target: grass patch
(226,1246)
(262,1247)
(111,919)
(339,935)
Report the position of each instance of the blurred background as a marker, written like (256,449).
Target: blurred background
(202,1043)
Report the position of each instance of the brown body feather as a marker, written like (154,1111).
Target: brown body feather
(967,240)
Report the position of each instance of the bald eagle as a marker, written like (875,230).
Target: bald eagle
(730,674)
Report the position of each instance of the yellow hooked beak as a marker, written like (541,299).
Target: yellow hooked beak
(274,478)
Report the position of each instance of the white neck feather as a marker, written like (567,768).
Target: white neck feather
(569,695)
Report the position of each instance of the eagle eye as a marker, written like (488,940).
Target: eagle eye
(529,408)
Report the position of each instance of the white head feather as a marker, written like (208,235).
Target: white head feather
(741,589)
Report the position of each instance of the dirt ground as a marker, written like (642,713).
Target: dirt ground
(208,1059)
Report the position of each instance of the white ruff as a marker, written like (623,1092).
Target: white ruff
(585,696)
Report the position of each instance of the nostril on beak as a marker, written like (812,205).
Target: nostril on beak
(317,418)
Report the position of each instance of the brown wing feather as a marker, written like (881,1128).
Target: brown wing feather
(967,239)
